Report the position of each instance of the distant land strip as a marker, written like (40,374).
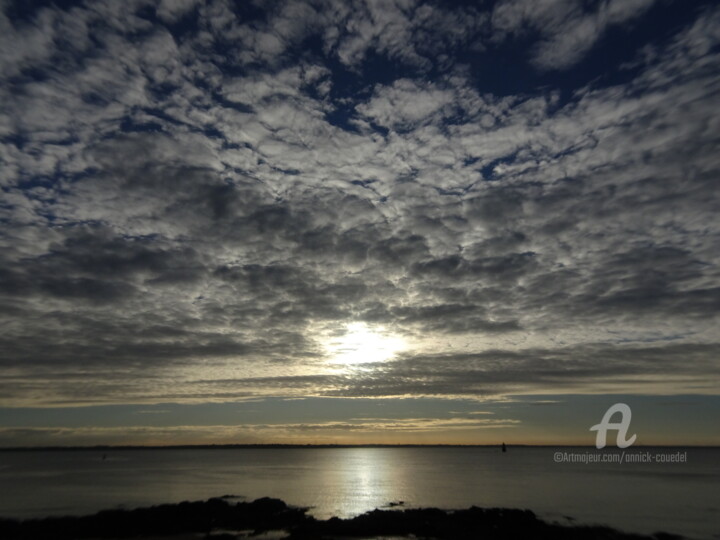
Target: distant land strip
(310,446)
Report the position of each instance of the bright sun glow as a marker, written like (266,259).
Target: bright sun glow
(361,344)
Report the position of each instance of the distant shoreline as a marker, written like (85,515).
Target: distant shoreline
(309,446)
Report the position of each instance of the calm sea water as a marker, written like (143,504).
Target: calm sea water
(682,498)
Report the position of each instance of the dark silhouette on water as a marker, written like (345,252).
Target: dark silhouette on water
(504,448)
(274,515)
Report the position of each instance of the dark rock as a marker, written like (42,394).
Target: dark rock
(273,514)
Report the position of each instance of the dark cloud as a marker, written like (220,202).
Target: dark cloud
(592,368)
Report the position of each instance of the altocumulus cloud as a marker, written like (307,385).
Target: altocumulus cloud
(196,194)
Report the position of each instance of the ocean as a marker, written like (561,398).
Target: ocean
(681,498)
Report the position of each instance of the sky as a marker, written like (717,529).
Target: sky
(395,221)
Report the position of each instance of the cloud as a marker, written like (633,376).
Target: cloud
(568,31)
(248,433)
(170,11)
(192,208)
(591,368)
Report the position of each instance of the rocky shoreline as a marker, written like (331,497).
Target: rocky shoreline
(221,519)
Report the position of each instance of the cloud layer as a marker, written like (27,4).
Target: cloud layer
(196,197)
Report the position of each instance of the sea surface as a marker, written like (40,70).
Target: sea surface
(681,498)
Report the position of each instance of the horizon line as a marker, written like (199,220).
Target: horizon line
(232,446)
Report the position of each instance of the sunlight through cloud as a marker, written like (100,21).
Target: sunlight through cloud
(362,344)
